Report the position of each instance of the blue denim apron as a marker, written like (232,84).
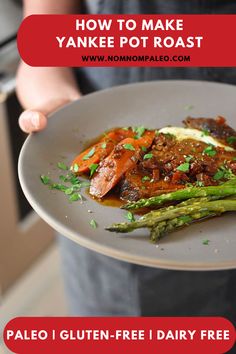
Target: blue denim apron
(101,286)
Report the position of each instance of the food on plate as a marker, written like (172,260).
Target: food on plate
(216,128)
(222,190)
(100,150)
(123,158)
(141,163)
(168,219)
(191,167)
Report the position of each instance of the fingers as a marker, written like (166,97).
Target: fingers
(32,121)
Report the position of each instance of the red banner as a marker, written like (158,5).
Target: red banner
(177,335)
(128,40)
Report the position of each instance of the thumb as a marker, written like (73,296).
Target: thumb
(34,120)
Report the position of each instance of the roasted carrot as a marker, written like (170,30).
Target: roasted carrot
(100,150)
(124,157)
(91,156)
(147,139)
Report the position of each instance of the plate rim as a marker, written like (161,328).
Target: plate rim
(95,246)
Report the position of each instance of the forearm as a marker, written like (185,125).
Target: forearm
(42,90)
(37,87)
(50,7)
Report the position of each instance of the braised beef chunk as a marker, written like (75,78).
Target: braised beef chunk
(197,157)
(140,183)
(171,164)
(215,127)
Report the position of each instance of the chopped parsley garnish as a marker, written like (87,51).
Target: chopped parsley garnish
(146,178)
(76,187)
(184,167)
(74,180)
(169,135)
(93,168)
(218,175)
(63,178)
(188,107)
(130,216)
(84,184)
(45,179)
(234,159)
(62,166)
(74,197)
(139,131)
(210,151)
(200,184)
(148,156)
(93,224)
(89,154)
(71,188)
(75,167)
(59,187)
(104,145)
(229,174)
(205,132)
(231,140)
(69,191)
(205,242)
(188,158)
(223,173)
(143,148)
(129,147)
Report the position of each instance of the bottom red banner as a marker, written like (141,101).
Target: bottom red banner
(119,335)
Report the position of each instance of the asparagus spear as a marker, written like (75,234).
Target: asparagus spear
(192,201)
(152,218)
(223,190)
(165,227)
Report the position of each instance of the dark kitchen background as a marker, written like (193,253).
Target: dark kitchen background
(30,282)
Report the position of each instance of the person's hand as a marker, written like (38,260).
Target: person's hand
(41,91)
(33,120)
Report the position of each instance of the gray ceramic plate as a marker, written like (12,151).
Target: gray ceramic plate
(154,104)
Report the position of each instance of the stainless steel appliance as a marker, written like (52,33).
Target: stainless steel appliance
(23,236)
